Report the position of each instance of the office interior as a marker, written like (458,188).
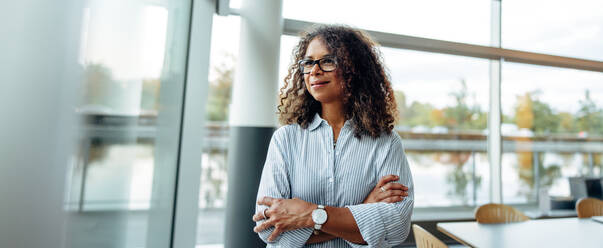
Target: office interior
(145,123)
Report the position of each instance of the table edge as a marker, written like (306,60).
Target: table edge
(441,229)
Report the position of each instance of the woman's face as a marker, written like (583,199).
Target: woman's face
(325,87)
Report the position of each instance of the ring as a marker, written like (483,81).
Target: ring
(264,213)
(382,189)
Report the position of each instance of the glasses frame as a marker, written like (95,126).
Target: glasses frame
(316,62)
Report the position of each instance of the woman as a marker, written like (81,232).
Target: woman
(335,173)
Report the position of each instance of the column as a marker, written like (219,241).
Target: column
(252,115)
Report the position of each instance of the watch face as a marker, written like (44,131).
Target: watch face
(319,216)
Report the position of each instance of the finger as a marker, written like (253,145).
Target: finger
(258,216)
(266,201)
(263,226)
(393,199)
(275,234)
(397,186)
(390,193)
(386,179)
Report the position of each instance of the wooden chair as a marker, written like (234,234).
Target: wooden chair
(498,213)
(588,207)
(424,239)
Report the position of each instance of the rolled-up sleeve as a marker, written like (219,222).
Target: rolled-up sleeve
(387,224)
(275,183)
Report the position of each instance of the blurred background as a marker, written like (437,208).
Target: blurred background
(145,89)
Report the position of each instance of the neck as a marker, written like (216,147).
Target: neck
(333,114)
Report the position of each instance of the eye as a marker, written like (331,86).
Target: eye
(328,61)
(306,63)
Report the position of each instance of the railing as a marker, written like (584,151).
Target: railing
(116,129)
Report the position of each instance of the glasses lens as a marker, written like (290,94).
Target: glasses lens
(327,64)
(306,65)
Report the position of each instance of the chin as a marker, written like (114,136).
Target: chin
(324,98)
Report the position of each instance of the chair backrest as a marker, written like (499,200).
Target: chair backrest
(498,213)
(588,207)
(424,239)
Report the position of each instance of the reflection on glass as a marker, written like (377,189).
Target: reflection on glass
(573,29)
(442,101)
(461,21)
(121,187)
(213,188)
(444,179)
(552,129)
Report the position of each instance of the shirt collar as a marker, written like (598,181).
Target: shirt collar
(315,122)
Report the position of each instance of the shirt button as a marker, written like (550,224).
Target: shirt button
(331,179)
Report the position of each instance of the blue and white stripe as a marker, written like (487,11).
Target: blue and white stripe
(302,163)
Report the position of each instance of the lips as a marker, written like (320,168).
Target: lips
(319,84)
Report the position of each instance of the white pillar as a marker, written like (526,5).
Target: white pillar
(252,115)
(256,81)
(38,82)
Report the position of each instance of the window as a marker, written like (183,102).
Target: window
(214,184)
(460,21)
(573,29)
(443,105)
(122,183)
(552,128)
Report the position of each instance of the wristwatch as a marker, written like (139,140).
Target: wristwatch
(319,216)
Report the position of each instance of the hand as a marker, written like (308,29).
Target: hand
(387,191)
(284,215)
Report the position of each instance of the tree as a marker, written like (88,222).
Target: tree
(540,118)
(589,117)
(567,123)
(545,119)
(458,116)
(419,114)
(401,103)
(524,116)
(220,91)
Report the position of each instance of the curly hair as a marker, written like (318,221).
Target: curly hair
(367,93)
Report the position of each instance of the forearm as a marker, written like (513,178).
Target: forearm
(322,237)
(341,224)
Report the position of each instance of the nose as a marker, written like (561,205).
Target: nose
(315,69)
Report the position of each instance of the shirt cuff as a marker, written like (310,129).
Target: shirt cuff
(293,238)
(370,223)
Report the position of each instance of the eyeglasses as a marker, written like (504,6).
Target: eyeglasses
(325,64)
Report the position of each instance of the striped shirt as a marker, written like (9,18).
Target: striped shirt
(307,164)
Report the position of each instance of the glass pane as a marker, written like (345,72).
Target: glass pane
(552,129)
(461,21)
(213,189)
(565,28)
(443,104)
(121,187)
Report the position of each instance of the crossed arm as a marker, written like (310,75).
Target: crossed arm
(382,220)
(290,214)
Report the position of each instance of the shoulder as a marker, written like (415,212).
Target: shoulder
(288,129)
(391,139)
(287,132)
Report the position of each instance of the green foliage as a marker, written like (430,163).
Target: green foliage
(460,116)
(418,114)
(545,120)
(589,117)
(401,103)
(220,91)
